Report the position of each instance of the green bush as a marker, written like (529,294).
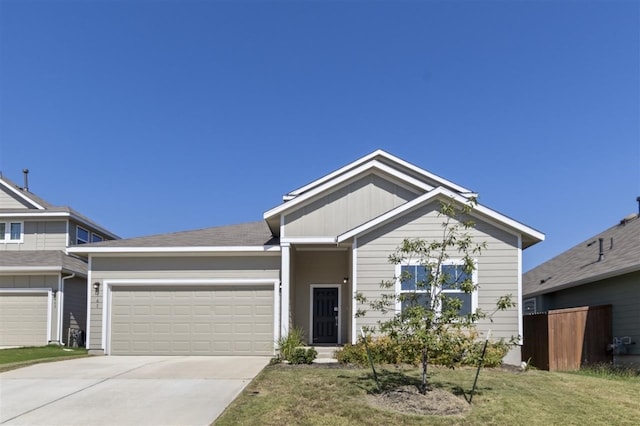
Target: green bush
(288,343)
(291,348)
(454,349)
(302,356)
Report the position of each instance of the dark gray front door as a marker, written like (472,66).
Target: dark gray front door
(325,315)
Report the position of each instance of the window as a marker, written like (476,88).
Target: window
(95,238)
(11,232)
(414,286)
(82,236)
(529,306)
(454,276)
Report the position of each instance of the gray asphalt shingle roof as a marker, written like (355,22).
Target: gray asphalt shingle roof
(42,259)
(244,235)
(50,208)
(580,265)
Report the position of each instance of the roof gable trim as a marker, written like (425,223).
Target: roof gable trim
(343,178)
(378,153)
(22,195)
(418,202)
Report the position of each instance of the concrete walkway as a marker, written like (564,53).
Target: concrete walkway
(119,390)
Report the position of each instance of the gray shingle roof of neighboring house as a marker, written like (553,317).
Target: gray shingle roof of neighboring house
(52,209)
(54,259)
(580,265)
(245,235)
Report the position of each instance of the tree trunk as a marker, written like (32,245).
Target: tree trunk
(425,362)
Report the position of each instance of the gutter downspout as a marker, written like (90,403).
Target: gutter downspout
(60,300)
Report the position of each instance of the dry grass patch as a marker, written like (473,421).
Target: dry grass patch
(330,395)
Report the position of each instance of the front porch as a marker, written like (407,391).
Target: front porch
(320,293)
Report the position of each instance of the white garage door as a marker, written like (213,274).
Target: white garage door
(23,319)
(219,320)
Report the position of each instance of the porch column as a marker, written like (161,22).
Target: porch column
(285,269)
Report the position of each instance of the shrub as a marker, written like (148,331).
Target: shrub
(302,355)
(287,344)
(454,349)
(291,348)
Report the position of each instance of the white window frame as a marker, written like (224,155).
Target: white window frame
(6,236)
(93,235)
(87,241)
(457,262)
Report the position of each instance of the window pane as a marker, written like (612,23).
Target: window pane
(96,238)
(414,299)
(466,302)
(413,277)
(3,230)
(16,231)
(83,236)
(407,278)
(453,276)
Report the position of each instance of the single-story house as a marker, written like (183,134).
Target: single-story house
(43,289)
(603,270)
(236,289)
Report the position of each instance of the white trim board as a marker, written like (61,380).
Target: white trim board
(428,197)
(378,153)
(107,294)
(372,165)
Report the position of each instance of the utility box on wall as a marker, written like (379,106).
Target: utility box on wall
(567,339)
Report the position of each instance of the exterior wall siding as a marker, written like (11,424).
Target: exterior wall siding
(40,235)
(200,267)
(320,267)
(622,292)
(497,265)
(75,307)
(9,201)
(346,208)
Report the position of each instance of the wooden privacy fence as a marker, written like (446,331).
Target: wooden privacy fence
(566,339)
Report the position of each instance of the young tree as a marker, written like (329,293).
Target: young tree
(435,314)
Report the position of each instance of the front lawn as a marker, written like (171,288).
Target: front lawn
(326,395)
(20,357)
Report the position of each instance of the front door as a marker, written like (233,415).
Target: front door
(325,315)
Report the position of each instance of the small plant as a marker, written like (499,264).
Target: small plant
(292,348)
(302,355)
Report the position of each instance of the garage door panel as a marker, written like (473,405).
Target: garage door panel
(192,320)
(23,319)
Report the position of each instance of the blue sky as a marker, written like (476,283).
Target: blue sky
(160,116)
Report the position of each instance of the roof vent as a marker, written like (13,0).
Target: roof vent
(26,179)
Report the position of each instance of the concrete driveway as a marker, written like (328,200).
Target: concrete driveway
(124,390)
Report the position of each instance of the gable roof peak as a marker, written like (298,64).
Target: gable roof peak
(381,156)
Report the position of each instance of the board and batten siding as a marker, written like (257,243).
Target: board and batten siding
(349,206)
(621,292)
(497,264)
(40,235)
(175,268)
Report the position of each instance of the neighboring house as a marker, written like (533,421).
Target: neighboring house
(43,290)
(236,289)
(603,270)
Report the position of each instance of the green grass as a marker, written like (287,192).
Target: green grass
(21,357)
(317,395)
